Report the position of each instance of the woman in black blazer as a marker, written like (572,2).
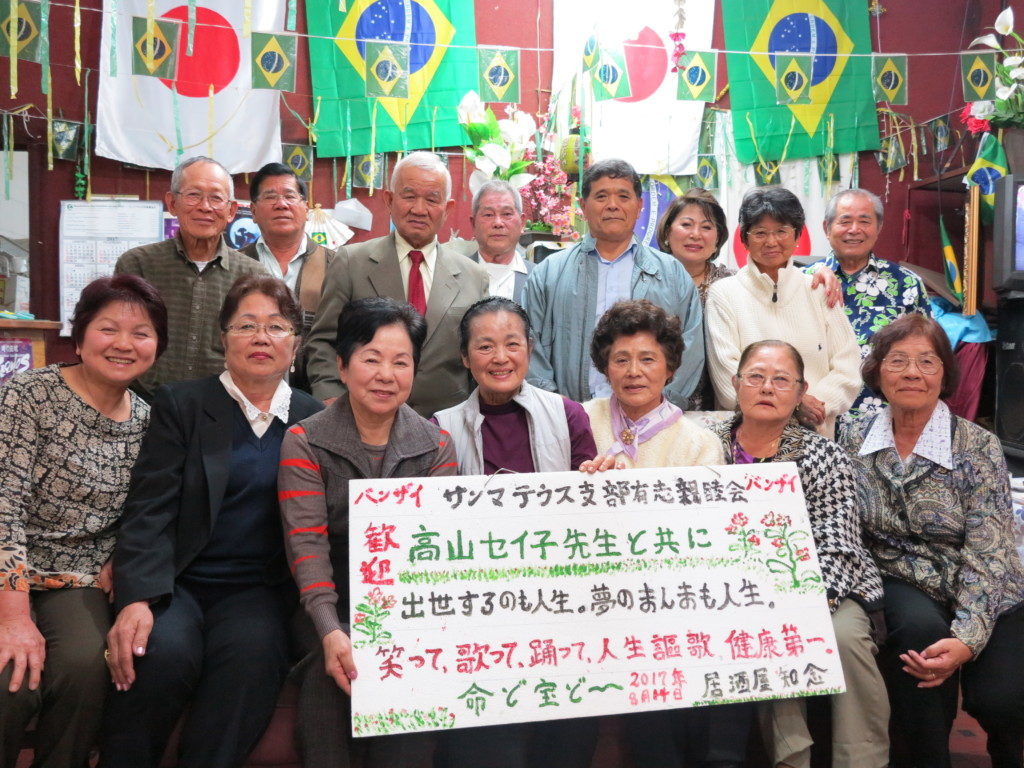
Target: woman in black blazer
(201,587)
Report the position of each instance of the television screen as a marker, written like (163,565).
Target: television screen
(1018,251)
(1008,235)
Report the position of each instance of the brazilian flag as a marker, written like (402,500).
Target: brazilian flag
(774,31)
(440,36)
(949,266)
(989,166)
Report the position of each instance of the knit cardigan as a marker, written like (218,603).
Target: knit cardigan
(683,444)
(740,311)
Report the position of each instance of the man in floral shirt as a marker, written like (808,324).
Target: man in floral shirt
(875,291)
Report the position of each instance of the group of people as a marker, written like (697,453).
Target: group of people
(170,499)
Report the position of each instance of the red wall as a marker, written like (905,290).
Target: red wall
(906,26)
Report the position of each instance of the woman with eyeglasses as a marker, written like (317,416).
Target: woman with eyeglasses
(201,585)
(771,298)
(937,516)
(768,385)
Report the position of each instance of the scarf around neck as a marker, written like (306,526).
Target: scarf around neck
(627,435)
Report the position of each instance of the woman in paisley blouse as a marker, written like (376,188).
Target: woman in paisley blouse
(69,435)
(935,503)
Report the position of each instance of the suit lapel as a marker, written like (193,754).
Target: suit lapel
(443,290)
(215,436)
(384,274)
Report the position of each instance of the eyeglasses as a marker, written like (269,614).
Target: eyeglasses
(274,330)
(780,382)
(926,364)
(782,234)
(289,198)
(216,201)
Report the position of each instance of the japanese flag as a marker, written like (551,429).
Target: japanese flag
(156,120)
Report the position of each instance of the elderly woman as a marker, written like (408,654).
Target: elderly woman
(70,434)
(768,385)
(637,346)
(368,432)
(772,299)
(937,517)
(694,230)
(200,580)
(510,425)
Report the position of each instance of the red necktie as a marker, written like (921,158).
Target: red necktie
(417,297)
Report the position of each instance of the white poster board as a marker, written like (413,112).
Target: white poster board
(510,598)
(93,234)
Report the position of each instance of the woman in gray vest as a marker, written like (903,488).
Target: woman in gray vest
(509,425)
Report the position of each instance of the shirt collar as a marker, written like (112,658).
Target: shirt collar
(179,246)
(874,264)
(429,251)
(279,403)
(935,443)
(264,250)
(589,246)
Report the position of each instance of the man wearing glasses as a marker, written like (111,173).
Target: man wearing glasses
(193,271)
(279,209)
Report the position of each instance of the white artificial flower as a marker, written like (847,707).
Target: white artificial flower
(477,179)
(497,154)
(1017,73)
(1005,91)
(1004,21)
(989,40)
(471,109)
(485,165)
(520,180)
(519,131)
(1013,61)
(982,109)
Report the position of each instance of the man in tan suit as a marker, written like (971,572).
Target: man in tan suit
(407,265)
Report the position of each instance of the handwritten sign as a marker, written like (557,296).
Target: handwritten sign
(485,600)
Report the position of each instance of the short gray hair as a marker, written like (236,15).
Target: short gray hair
(428,161)
(179,173)
(838,197)
(498,187)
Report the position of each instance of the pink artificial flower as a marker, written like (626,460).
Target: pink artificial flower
(359,618)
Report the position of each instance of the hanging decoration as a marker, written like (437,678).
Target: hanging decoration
(299,157)
(707,173)
(892,156)
(609,76)
(369,171)
(977,71)
(792,79)
(20,37)
(889,78)
(155,47)
(273,60)
(498,74)
(989,166)
(697,76)
(387,70)
(838,35)
(939,128)
(67,138)
(766,174)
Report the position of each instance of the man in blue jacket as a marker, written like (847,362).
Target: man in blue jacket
(569,291)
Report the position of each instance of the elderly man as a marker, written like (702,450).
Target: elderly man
(279,209)
(571,289)
(874,290)
(497,224)
(193,272)
(407,265)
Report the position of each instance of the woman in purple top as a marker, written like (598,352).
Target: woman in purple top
(509,425)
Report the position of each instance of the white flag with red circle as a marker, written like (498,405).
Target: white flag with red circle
(208,108)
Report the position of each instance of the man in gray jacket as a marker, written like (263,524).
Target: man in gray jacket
(569,291)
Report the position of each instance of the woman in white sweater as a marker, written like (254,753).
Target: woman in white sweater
(771,299)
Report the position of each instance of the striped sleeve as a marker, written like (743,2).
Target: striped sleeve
(304,514)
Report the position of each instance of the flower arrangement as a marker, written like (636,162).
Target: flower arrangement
(1007,109)
(497,147)
(548,198)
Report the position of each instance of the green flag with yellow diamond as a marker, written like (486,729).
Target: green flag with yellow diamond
(298,157)
(387,70)
(273,61)
(793,79)
(440,37)
(697,81)
(155,47)
(498,72)
(977,72)
(609,75)
(889,78)
(20,32)
(841,104)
